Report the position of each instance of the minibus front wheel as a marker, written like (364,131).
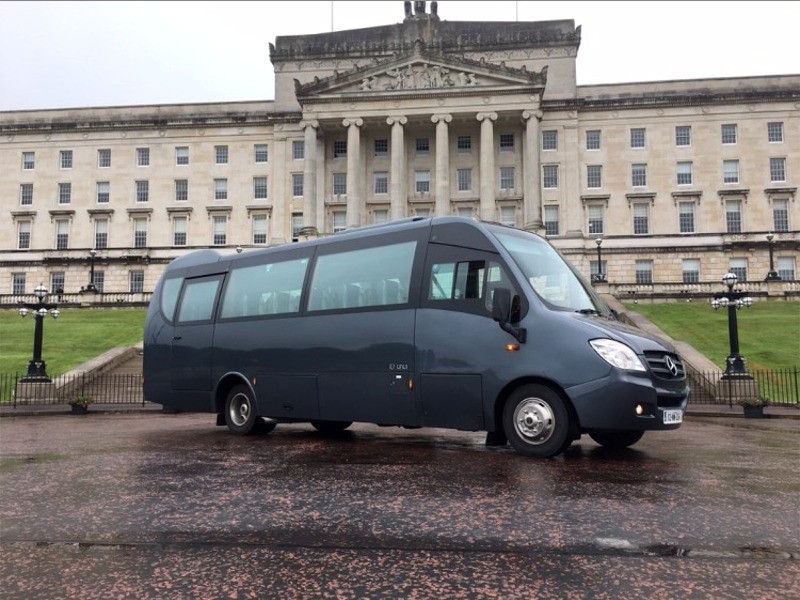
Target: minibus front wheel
(536,421)
(240,412)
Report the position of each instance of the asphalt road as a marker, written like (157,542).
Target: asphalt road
(170,506)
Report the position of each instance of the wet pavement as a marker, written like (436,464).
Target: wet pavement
(170,506)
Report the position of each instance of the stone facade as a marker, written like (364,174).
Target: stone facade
(682,179)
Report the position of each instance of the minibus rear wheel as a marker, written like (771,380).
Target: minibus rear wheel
(536,421)
(240,412)
(616,439)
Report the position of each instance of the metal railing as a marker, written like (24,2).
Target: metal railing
(106,388)
(775,387)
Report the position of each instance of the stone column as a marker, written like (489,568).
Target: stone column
(398,174)
(531,172)
(310,174)
(487,165)
(442,164)
(354,172)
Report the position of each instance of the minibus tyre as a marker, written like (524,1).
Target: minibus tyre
(536,421)
(616,439)
(240,412)
(330,426)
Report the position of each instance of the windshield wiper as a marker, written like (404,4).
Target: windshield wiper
(588,311)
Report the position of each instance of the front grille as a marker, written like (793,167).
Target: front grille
(659,365)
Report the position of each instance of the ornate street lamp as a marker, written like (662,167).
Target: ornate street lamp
(735,366)
(599,278)
(36,367)
(772,275)
(91,288)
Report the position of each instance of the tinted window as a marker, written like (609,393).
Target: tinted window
(169,297)
(361,278)
(198,300)
(269,289)
(469,284)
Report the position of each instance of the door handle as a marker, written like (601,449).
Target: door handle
(176,337)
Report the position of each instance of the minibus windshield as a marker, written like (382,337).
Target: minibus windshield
(549,274)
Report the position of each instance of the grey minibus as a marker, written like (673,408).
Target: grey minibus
(421,322)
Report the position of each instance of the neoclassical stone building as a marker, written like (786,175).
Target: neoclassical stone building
(681,181)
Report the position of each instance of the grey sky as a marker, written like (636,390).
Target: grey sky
(70,54)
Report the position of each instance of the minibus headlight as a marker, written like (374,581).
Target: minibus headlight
(617,354)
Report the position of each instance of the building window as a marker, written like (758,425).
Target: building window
(464,144)
(62,234)
(380,216)
(340,184)
(140,233)
(644,272)
(637,137)
(464,179)
(733,216)
(550,139)
(507,178)
(786,268)
(104,158)
(595,214)
(182,155)
(423,146)
(639,175)
(297,185)
(57,281)
(465,211)
(340,149)
(220,189)
(685,173)
(508,216)
(261,153)
(777,170)
(775,132)
(103,192)
(550,177)
(219,230)
(181,190)
(422,181)
(28,161)
(64,193)
(381,182)
(136,282)
(686,217)
(142,191)
(422,212)
(381,147)
(260,188)
(551,220)
(506,142)
(641,218)
(593,139)
(99,280)
(18,284)
(101,234)
(143,157)
(297,225)
(259,229)
(730,171)
(339,221)
(66,159)
(594,176)
(729,134)
(780,215)
(738,266)
(221,155)
(26,194)
(179,229)
(298,149)
(24,235)
(683,135)
(691,270)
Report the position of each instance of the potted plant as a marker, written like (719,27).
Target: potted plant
(80,405)
(753,407)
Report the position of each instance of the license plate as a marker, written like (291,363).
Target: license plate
(673,416)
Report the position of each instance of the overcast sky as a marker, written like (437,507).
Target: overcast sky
(71,54)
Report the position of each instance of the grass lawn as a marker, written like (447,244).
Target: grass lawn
(78,335)
(769,331)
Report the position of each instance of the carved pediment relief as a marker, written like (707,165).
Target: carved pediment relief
(417,72)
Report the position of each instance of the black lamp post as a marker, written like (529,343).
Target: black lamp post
(36,367)
(599,276)
(772,275)
(735,363)
(91,288)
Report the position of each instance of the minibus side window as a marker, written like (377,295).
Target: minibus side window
(198,300)
(268,289)
(466,285)
(368,277)
(169,297)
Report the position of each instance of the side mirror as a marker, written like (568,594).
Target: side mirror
(506,310)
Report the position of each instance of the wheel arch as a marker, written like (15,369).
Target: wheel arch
(512,386)
(225,384)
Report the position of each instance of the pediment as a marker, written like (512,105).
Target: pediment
(418,72)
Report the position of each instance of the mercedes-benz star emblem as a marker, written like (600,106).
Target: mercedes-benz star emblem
(673,368)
